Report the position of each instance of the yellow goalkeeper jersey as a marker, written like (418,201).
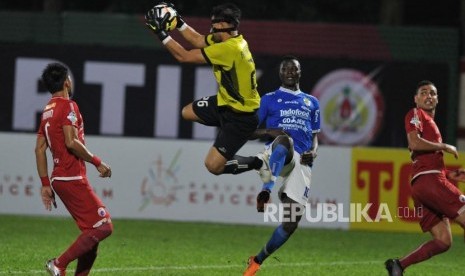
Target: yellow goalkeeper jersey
(234,70)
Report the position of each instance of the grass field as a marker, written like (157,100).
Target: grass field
(143,247)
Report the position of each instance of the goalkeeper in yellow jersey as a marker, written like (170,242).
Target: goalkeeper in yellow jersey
(234,107)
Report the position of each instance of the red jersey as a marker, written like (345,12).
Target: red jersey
(424,161)
(61,112)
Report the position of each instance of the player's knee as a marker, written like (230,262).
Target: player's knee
(442,238)
(105,230)
(283,140)
(290,227)
(214,168)
(444,243)
(287,143)
(187,113)
(446,247)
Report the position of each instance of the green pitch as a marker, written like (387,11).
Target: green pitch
(143,247)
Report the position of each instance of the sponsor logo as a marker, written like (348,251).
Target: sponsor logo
(415,121)
(102,212)
(462,198)
(306,101)
(72,117)
(294,112)
(352,107)
(161,183)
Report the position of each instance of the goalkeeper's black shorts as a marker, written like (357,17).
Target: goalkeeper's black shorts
(234,127)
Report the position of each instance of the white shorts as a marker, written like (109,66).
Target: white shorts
(295,176)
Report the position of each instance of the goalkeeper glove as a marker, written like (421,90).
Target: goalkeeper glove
(181,24)
(157,24)
(263,198)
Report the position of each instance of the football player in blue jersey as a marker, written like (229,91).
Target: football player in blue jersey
(292,119)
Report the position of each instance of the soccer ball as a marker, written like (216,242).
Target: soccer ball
(161,11)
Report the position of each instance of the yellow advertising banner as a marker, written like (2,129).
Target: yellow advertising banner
(380,190)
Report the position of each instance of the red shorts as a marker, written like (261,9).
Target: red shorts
(82,203)
(438,198)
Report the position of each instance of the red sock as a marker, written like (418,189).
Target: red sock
(424,252)
(85,262)
(83,244)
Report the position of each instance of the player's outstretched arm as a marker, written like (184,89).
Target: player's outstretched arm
(80,150)
(188,33)
(193,37)
(157,25)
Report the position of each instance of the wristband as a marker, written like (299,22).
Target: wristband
(45,181)
(164,41)
(162,35)
(182,27)
(96,161)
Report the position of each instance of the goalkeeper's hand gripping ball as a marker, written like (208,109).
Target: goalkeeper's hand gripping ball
(170,21)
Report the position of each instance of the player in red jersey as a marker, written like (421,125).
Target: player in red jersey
(431,185)
(62,131)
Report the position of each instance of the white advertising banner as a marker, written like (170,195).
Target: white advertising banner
(167,179)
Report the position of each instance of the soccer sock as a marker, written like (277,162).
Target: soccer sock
(424,252)
(277,160)
(86,261)
(84,243)
(278,238)
(243,164)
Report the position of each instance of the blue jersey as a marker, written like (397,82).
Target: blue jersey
(295,112)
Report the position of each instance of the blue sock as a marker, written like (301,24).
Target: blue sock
(277,160)
(278,238)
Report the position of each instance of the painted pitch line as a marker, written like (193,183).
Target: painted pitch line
(196,267)
(203,267)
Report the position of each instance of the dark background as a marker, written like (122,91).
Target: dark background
(397,12)
(397,93)
(394,81)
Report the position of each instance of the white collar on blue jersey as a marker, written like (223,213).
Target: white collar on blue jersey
(289,90)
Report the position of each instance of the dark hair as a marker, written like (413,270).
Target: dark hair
(422,83)
(289,57)
(227,12)
(54,76)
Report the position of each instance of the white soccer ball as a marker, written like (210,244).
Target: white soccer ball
(161,10)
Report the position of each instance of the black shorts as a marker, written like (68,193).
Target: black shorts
(234,128)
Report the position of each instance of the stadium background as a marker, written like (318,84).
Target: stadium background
(130,92)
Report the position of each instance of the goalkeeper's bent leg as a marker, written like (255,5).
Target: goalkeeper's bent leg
(239,164)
